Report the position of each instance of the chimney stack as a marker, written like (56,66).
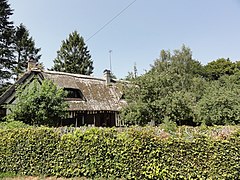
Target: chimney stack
(32,63)
(107,75)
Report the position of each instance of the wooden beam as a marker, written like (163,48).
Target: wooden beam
(82,119)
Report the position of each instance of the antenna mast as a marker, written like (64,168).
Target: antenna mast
(110,60)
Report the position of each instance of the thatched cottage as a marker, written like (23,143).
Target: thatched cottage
(92,101)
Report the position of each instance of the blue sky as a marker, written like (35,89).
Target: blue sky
(211,28)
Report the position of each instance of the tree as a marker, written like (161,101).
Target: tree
(220,105)
(73,56)
(169,90)
(25,49)
(132,75)
(6,45)
(215,69)
(39,104)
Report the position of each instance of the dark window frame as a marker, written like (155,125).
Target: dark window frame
(74,94)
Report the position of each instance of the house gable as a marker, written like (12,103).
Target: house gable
(9,95)
(92,101)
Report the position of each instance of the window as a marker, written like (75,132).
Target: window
(74,94)
(122,97)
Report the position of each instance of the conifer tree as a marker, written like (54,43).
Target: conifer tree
(25,49)
(73,56)
(6,45)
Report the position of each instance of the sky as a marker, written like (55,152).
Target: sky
(210,28)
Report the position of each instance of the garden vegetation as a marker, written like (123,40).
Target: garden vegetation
(179,89)
(38,104)
(126,153)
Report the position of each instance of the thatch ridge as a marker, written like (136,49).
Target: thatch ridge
(73,75)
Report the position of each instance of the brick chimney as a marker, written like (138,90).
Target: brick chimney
(32,63)
(107,75)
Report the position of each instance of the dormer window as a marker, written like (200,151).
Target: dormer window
(122,97)
(74,94)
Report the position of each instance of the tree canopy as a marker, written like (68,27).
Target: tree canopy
(16,47)
(39,104)
(165,90)
(25,49)
(215,69)
(73,56)
(219,105)
(178,89)
(6,44)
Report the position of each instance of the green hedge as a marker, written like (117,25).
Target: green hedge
(131,153)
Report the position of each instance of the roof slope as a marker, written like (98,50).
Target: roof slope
(98,95)
(12,88)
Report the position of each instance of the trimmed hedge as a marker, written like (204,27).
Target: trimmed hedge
(131,153)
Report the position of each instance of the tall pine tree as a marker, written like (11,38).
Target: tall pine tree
(6,45)
(25,49)
(73,56)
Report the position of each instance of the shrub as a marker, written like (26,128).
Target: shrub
(219,106)
(129,153)
(38,104)
(13,124)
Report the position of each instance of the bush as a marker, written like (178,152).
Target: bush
(38,104)
(13,124)
(7,175)
(219,106)
(130,153)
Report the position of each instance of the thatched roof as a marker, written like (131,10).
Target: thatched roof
(98,95)
(11,90)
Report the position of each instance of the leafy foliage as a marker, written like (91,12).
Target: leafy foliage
(219,105)
(215,69)
(178,88)
(73,56)
(169,90)
(132,75)
(13,124)
(131,153)
(39,104)
(7,175)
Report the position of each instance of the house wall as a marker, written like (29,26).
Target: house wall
(12,99)
(2,113)
(99,119)
(76,118)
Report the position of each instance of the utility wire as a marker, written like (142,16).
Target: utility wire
(111,20)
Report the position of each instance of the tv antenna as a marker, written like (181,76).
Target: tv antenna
(110,59)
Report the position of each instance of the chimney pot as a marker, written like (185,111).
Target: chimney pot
(107,75)
(32,63)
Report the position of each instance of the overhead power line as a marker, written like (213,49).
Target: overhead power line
(111,20)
